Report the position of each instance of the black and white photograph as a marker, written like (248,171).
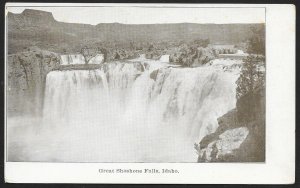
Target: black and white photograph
(149,93)
(135,84)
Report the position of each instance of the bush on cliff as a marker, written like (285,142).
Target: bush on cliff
(256,43)
(252,77)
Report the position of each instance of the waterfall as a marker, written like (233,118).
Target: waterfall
(79,59)
(72,59)
(134,111)
(164,58)
(97,59)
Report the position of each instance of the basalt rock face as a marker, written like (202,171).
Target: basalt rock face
(26,76)
(239,137)
(31,18)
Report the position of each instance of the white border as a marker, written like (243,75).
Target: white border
(280,125)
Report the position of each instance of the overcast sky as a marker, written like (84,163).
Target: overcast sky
(146,15)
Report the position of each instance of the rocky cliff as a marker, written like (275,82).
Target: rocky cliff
(240,136)
(26,73)
(31,18)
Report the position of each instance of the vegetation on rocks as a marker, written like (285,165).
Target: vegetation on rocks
(192,56)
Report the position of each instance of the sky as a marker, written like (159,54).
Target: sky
(149,15)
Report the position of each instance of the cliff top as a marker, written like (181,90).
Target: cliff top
(36,16)
(37,13)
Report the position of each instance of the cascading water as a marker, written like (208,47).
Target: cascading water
(71,59)
(79,59)
(164,58)
(98,59)
(137,111)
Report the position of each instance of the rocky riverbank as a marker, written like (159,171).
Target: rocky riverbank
(240,136)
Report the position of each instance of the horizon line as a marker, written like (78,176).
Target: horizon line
(207,23)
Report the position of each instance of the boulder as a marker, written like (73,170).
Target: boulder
(153,74)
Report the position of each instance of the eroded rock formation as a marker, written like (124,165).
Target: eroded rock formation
(26,73)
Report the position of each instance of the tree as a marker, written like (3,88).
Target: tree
(104,51)
(251,76)
(256,43)
(251,79)
(85,52)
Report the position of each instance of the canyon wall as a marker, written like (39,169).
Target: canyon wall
(26,76)
(39,28)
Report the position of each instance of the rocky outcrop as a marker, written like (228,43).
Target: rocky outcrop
(31,18)
(121,54)
(155,55)
(192,57)
(154,52)
(224,145)
(240,136)
(153,74)
(26,76)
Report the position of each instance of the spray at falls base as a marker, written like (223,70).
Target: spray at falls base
(134,111)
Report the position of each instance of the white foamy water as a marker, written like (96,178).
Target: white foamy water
(241,52)
(165,58)
(72,59)
(98,59)
(128,112)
